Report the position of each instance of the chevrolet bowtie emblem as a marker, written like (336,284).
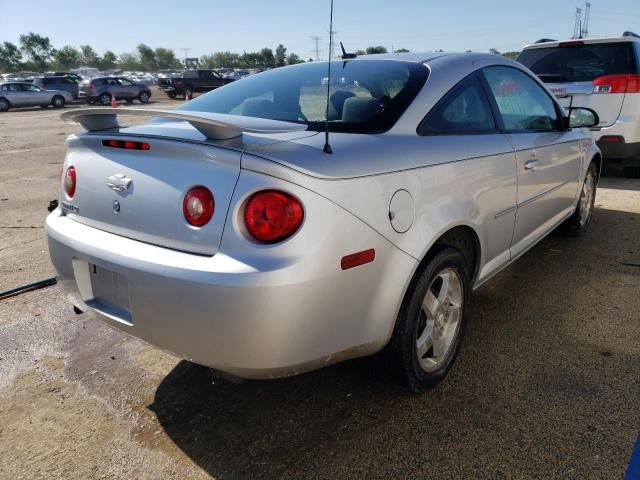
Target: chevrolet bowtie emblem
(118,182)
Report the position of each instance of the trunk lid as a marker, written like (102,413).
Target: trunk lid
(150,208)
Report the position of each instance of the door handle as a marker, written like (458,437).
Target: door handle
(531,164)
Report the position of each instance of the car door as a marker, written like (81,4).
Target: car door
(464,125)
(127,88)
(33,95)
(15,94)
(548,155)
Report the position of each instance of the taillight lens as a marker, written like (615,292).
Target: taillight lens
(198,206)
(617,84)
(70,182)
(272,216)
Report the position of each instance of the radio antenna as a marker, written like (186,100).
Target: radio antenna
(327,147)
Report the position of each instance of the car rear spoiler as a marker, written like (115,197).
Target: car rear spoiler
(217,126)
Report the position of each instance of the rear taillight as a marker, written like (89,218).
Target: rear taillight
(272,216)
(624,83)
(128,144)
(198,206)
(70,182)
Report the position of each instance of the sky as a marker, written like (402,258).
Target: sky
(206,26)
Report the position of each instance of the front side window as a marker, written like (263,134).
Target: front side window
(523,104)
(30,88)
(463,110)
(125,82)
(365,96)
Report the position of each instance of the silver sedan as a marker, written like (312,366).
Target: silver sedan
(284,222)
(23,94)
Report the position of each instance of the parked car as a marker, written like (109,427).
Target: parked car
(67,84)
(192,81)
(102,89)
(71,75)
(602,74)
(437,171)
(24,94)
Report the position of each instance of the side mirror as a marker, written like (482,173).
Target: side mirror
(580,117)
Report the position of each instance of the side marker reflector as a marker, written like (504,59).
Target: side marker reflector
(357,259)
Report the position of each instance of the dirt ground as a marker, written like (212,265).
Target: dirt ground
(547,384)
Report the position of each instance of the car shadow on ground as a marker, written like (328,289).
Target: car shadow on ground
(530,394)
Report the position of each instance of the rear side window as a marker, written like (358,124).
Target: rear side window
(523,104)
(463,110)
(190,74)
(579,63)
(50,81)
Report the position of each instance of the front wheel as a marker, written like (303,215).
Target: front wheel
(4,105)
(57,101)
(143,97)
(172,95)
(431,323)
(578,223)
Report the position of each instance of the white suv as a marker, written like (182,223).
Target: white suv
(602,74)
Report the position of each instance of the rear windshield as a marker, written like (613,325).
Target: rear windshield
(580,63)
(365,96)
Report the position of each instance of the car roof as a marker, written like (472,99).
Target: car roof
(586,41)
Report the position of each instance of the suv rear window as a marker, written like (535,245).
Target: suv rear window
(579,63)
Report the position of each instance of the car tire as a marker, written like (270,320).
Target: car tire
(188,93)
(144,96)
(58,101)
(104,99)
(431,323)
(172,95)
(4,105)
(578,223)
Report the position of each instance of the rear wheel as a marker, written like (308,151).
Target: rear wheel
(105,99)
(4,105)
(579,221)
(143,97)
(172,95)
(431,323)
(188,93)
(57,101)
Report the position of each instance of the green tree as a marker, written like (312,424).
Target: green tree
(267,59)
(37,49)
(88,56)
(10,57)
(378,49)
(109,61)
(281,55)
(360,52)
(511,55)
(292,59)
(494,51)
(166,58)
(402,50)
(128,61)
(65,58)
(147,56)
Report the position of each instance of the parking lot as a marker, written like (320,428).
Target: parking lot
(546,384)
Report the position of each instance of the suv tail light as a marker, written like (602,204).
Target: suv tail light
(198,206)
(70,182)
(272,216)
(623,83)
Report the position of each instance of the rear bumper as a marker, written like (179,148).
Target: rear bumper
(279,320)
(615,147)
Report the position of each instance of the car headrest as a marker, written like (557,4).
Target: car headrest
(257,107)
(359,109)
(336,103)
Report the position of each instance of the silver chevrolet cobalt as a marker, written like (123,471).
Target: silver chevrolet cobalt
(236,233)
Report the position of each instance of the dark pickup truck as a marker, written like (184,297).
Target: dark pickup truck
(192,81)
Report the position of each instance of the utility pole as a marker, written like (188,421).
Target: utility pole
(577,25)
(332,43)
(584,33)
(186,53)
(316,50)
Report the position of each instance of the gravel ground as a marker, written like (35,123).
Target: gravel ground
(547,384)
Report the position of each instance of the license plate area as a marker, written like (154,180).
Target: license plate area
(109,294)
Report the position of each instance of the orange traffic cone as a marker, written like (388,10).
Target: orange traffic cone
(114,102)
